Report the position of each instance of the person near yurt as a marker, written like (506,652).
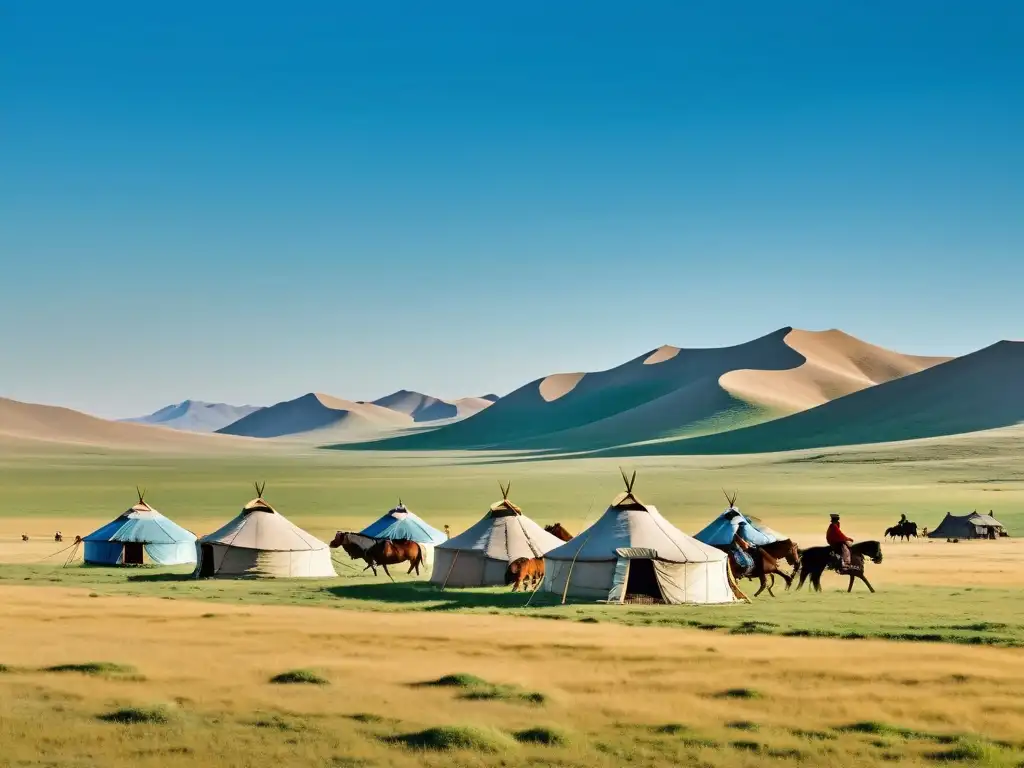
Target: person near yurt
(633,554)
(140,536)
(401,524)
(480,556)
(722,531)
(261,541)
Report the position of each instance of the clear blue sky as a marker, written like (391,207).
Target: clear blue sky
(249,201)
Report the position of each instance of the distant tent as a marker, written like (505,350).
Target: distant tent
(400,523)
(480,556)
(633,554)
(721,531)
(972,526)
(141,535)
(262,542)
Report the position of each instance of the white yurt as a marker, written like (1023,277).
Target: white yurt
(480,556)
(633,554)
(262,542)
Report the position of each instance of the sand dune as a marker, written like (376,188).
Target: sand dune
(425,408)
(980,391)
(319,416)
(836,364)
(671,392)
(29,423)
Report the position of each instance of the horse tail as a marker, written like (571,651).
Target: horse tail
(419,555)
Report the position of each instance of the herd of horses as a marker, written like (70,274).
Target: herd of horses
(528,572)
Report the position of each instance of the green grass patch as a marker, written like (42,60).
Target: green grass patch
(476,688)
(743,725)
(748,694)
(456,737)
(671,729)
(97,668)
(300,677)
(137,716)
(542,734)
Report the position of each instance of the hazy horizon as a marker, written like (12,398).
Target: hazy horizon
(237,204)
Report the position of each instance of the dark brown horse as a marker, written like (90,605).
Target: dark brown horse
(523,570)
(816,560)
(766,563)
(382,552)
(558,532)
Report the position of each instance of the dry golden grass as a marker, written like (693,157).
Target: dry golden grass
(615,694)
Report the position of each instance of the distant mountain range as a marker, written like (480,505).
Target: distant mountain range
(196,416)
(787,390)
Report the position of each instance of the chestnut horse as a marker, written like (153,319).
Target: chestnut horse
(525,569)
(766,563)
(382,552)
(558,532)
(817,559)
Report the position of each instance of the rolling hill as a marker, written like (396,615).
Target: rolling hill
(318,416)
(27,424)
(979,391)
(671,393)
(196,416)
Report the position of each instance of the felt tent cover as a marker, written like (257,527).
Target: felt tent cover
(400,523)
(721,531)
(166,542)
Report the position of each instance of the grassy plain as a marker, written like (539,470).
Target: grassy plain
(717,686)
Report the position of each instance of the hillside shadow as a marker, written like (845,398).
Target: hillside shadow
(433,598)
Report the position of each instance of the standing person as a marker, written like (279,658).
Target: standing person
(839,542)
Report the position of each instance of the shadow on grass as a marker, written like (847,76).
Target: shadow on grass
(435,599)
(154,577)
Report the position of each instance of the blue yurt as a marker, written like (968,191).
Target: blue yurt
(400,523)
(721,531)
(140,536)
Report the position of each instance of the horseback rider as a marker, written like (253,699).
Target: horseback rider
(739,546)
(839,542)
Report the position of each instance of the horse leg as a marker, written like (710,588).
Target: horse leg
(864,579)
(803,577)
(850,588)
(785,577)
(385,567)
(764,583)
(816,580)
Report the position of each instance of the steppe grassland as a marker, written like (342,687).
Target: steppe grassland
(656,695)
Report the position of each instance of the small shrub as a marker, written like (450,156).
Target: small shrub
(740,693)
(137,715)
(743,725)
(970,750)
(670,729)
(299,677)
(450,737)
(551,737)
(747,746)
(477,689)
(458,680)
(99,668)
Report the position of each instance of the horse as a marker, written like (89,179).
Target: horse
(903,530)
(523,570)
(816,560)
(57,537)
(558,532)
(766,560)
(382,552)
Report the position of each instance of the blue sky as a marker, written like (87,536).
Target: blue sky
(249,201)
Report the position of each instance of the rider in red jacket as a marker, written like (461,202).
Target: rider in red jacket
(839,541)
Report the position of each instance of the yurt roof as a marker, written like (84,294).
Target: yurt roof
(632,525)
(142,524)
(721,531)
(401,523)
(260,526)
(504,507)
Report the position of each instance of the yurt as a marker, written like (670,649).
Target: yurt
(401,524)
(721,531)
(633,554)
(972,526)
(262,542)
(480,556)
(140,536)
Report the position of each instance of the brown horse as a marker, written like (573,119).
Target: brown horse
(766,563)
(383,552)
(817,559)
(558,532)
(525,569)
